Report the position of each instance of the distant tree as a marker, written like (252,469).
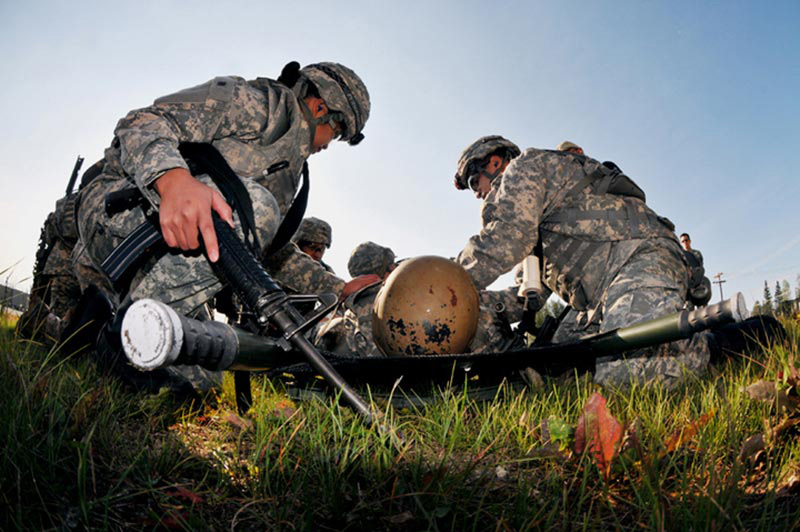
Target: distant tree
(785,305)
(779,300)
(797,287)
(756,308)
(766,307)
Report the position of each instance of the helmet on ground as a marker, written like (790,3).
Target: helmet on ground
(428,305)
(369,257)
(479,150)
(314,230)
(344,93)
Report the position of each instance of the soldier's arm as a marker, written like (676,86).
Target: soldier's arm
(149,141)
(511,214)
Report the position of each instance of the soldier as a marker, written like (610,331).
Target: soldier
(603,250)
(314,237)
(352,331)
(570,147)
(699,285)
(55,290)
(686,242)
(265,130)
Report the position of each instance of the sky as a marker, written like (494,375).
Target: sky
(696,101)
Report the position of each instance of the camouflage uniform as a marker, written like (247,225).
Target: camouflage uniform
(290,270)
(498,309)
(55,290)
(610,256)
(351,331)
(255,125)
(370,258)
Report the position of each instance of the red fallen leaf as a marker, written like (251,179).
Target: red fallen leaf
(682,435)
(202,420)
(283,409)
(598,432)
(174,520)
(182,493)
(241,423)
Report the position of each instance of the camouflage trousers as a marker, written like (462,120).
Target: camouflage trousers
(493,335)
(182,280)
(56,295)
(650,285)
(350,332)
(62,284)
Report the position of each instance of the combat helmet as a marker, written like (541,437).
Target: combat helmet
(344,93)
(369,257)
(476,152)
(314,230)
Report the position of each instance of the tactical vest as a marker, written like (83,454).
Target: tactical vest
(579,228)
(275,161)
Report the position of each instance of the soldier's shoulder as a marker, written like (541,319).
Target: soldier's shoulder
(220,89)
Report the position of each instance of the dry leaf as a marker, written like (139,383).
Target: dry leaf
(684,434)
(183,493)
(598,432)
(790,486)
(501,472)
(784,426)
(751,446)
(786,403)
(549,450)
(630,439)
(761,390)
(239,422)
(401,518)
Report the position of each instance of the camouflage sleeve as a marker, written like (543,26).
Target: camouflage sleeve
(149,137)
(298,272)
(510,214)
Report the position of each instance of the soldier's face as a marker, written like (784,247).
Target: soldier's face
(324,133)
(686,242)
(482,187)
(314,250)
(481,183)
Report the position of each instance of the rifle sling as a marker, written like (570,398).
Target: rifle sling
(147,241)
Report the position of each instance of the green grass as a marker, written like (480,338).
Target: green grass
(81,452)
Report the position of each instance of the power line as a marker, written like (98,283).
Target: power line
(719,281)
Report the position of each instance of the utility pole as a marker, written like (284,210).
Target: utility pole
(719,281)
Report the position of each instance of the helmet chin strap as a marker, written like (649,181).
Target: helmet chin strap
(313,122)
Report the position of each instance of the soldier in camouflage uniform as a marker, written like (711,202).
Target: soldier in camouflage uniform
(265,129)
(603,250)
(571,147)
(55,290)
(314,237)
(352,332)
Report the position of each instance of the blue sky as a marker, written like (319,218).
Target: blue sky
(696,101)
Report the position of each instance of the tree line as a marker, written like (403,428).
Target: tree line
(780,301)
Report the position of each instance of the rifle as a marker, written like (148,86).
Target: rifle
(74,176)
(213,344)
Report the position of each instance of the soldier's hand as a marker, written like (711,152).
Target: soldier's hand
(186,206)
(357,284)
